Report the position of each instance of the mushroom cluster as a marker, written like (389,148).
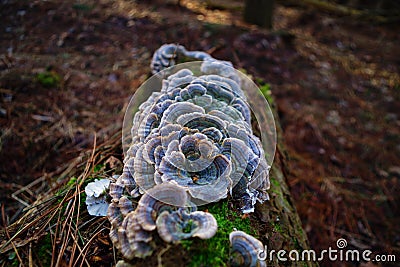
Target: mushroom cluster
(165,208)
(197,132)
(166,55)
(191,143)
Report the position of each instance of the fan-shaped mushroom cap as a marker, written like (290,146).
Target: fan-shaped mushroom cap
(126,178)
(210,183)
(221,68)
(115,190)
(97,206)
(245,250)
(125,205)
(96,197)
(133,240)
(164,57)
(97,188)
(173,112)
(114,214)
(144,172)
(178,225)
(114,235)
(165,196)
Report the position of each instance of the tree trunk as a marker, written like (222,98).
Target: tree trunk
(259,12)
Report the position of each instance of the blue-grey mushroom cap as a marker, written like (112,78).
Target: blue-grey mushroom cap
(178,225)
(133,241)
(245,250)
(167,196)
(96,201)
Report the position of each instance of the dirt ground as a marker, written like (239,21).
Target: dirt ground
(68,69)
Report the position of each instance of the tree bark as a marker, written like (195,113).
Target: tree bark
(284,227)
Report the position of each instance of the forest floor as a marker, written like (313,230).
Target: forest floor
(68,69)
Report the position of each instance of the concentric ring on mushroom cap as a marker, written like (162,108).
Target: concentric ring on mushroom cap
(263,116)
(245,250)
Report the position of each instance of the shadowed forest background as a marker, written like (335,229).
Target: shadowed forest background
(69,68)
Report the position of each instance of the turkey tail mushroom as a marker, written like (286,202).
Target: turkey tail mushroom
(245,250)
(178,225)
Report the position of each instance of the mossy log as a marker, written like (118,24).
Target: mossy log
(283,224)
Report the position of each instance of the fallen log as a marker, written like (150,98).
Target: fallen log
(59,222)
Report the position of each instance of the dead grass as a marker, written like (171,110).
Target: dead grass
(60,212)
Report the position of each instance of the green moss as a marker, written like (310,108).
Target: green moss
(60,193)
(244,71)
(297,245)
(48,79)
(188,227)
(71,181)
(97,173)
(215,251)
(277,227)
(82,7)
(300,230)
(44,251)
(186,244)
(276,189)
(265,89)
(98,167)
(275,186)
(83,200)
(12,259)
